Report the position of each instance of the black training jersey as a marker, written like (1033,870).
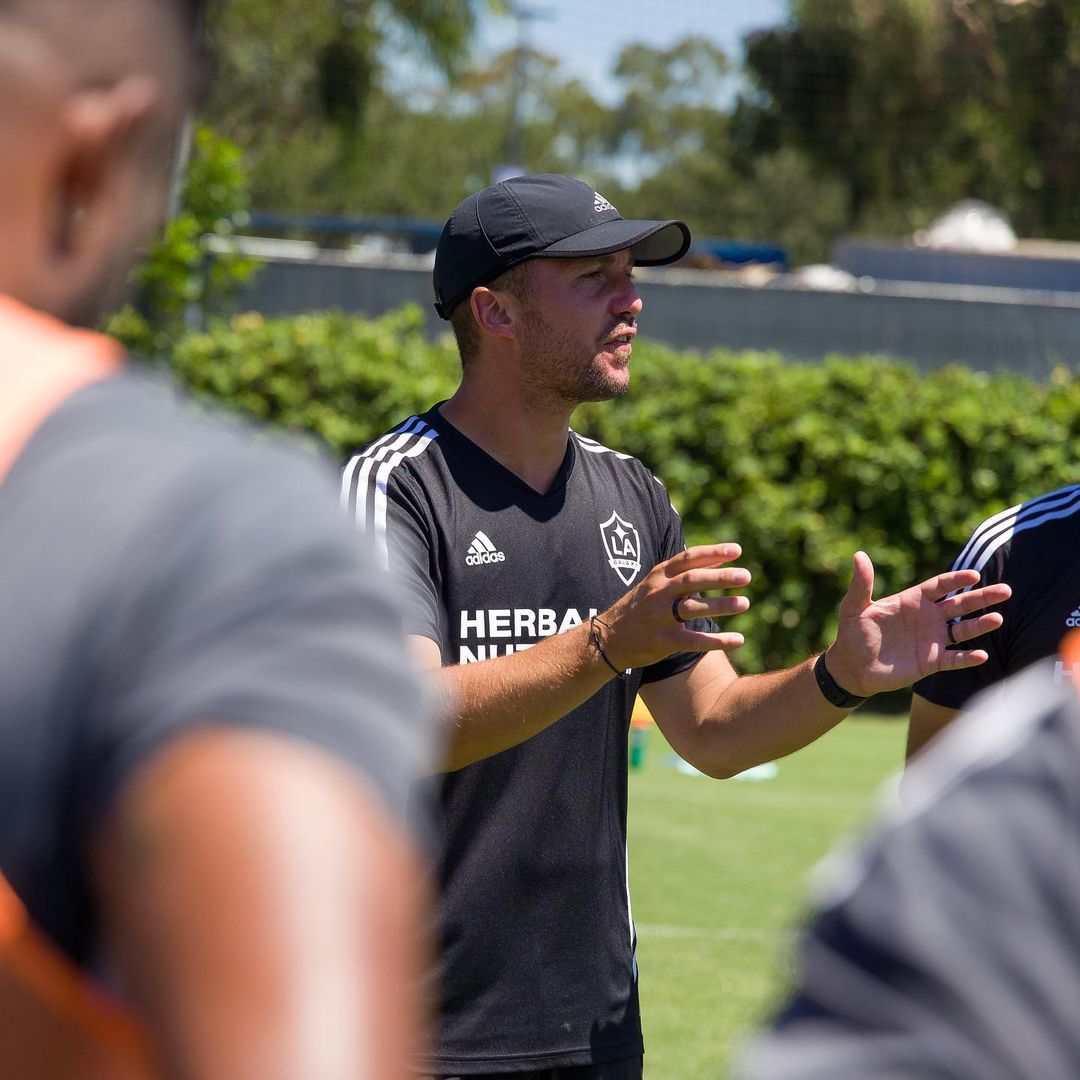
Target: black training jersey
(1032,547)
(537,967)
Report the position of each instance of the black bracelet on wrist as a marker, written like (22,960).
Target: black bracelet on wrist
(594,637)
(831,690)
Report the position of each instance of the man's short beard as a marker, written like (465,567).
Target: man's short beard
(557,369)
(599,386)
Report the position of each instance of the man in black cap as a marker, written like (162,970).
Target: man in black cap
(546,576)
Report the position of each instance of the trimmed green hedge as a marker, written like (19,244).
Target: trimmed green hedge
(801,464)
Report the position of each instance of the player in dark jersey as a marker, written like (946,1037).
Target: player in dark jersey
(546,575)
(207,726)
(1030,547)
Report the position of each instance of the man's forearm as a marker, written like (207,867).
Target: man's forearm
(758,718)
(927,719)
(723,723)
(495,704)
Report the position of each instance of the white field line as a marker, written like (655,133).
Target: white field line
(712,933)
(715,792)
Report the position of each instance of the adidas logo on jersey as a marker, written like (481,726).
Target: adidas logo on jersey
(482,551)
(1073,620)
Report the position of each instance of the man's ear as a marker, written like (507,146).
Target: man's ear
(92,188)
(496,311)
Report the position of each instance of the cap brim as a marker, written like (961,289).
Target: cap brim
(653,243)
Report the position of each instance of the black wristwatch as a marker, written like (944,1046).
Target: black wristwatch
(831,690)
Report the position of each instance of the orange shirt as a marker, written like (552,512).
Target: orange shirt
(54,1024)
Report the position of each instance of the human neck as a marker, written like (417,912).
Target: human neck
(526,437)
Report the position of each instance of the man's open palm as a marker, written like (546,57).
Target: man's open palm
(889,643)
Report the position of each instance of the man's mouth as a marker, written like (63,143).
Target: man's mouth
(626,337)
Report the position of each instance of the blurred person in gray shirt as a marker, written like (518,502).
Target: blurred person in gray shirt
(207,727)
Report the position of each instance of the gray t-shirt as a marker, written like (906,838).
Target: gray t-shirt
(160,571)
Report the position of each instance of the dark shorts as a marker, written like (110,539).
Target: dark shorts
(629,1069)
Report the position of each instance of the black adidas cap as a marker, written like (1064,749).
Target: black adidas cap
(545,216)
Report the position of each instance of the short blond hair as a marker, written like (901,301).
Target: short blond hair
(514,281)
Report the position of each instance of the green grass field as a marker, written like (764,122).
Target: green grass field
(718,880)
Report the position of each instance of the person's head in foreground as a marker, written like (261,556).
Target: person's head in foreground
(93,97)
(207,727)
(535,276)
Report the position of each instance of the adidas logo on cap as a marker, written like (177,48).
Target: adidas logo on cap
(482,551)
(1073,620)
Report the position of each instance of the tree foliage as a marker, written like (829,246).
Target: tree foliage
(178,277)
(866,115)
(295,81)
(917,103)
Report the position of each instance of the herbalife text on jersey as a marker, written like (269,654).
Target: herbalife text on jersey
(512,623)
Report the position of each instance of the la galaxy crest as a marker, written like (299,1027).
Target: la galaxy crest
(623,546)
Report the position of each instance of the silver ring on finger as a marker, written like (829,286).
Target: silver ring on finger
(949,628)
(675,609)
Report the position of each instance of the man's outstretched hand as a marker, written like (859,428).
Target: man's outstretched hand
(889,643)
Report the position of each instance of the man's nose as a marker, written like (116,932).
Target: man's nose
(628,301)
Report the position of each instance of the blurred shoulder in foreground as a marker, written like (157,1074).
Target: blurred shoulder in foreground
(208,725)
(950,945)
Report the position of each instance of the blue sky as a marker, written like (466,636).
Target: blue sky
(587,35)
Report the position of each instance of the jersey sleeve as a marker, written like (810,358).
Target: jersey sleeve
(394,516)
(953,689)
(249,602)
(670,531)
